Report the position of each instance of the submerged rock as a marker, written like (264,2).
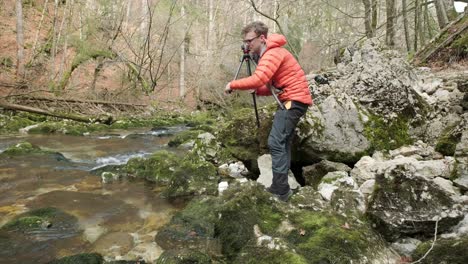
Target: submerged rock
(26,148)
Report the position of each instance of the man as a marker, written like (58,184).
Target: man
(279,68)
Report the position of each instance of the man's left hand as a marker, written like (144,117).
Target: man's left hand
(228,89)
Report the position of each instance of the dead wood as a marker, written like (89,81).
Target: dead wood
(442,41)
(76,117)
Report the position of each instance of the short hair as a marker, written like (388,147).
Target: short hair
(258,27)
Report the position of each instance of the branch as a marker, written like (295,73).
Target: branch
(277,23)
(432,246)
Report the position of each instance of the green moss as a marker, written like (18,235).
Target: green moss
(192,176)
(326,240)
(447,143)
(32,220)
(12,123)
(183,137)
(158,168)
(179,176)
(387,134)
(270,218)
(184,257)
(451,251)
(261,255)
(24,148)
(85,258)
(461,44)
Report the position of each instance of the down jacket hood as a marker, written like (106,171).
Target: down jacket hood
(275,40)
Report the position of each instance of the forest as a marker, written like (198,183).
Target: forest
(183,52)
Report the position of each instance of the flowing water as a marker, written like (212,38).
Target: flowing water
(118,219)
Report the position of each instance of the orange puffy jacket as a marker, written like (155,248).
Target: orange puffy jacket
(280,67)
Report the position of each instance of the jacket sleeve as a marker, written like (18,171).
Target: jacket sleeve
(266,68)
(263,91)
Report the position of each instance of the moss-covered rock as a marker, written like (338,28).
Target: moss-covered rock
(331,238)
(451,251)
(176,176)
(245,225)
(85,258)
(243,139)
(447,143)
(42,218)
(10,122)
(223,224)
(184,257)
(26,148)
(253,254)
(387,134)
(184,137)
(157,168)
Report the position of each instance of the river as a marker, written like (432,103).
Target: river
(118,219)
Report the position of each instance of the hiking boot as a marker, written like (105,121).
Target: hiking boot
(282,197)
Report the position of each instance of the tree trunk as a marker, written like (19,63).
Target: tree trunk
(368,18)
(211,27)
(391,17)
(182,54)
(374,16)
(406,25)
(36,39)
(442,18)
(417,23)
(53,48)
(19,40)
(449,6)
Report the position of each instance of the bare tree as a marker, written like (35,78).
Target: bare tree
(441,13)
(182,53)
(391,23)
(19,40)
(406,25)
(368,18)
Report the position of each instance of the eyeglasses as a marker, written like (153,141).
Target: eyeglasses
(248,41)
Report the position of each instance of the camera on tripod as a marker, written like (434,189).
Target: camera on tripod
(245,48)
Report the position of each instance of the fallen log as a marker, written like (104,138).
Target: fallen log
(38,98)
(76,117)
(444,39)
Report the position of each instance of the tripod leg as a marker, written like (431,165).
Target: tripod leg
(238,69)
(249,71)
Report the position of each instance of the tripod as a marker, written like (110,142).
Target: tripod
(247,58)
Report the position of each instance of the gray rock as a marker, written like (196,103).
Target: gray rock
(461,155)
(266,175)
(406,246)
(334,131)
(313,174)
(405,203)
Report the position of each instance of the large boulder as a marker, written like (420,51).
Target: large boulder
(333,130)
(407,202)
(382,81)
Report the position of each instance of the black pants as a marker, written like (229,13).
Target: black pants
(279,142)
